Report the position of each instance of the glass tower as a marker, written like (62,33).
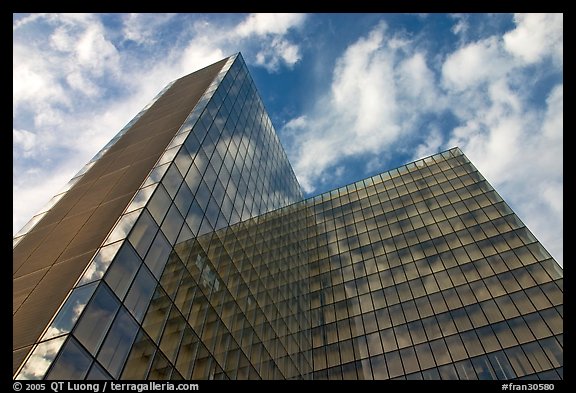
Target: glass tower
(184,250)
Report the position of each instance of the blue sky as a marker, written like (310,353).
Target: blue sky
(350,95)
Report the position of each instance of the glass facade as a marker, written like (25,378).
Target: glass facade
(218,269)
(424,272)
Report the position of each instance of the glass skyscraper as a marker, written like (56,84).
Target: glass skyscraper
(185,250)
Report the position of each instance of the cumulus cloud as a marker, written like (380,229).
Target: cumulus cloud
(536,36)
(276,52)
(263,24)
(474,64)
(370,105)
(274,49)
(34,79)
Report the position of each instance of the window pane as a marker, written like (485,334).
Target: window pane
(122,270)
(172,334)
(402,336)
(409,360)
(157,314)
(448,372)
(143,233)
(141,198)
(465,370)
(522,302)
(184,199)
(156,174)
(538,298)
(41,359)
(187,353)
(431,375)
(501,365)
(159,204)
(72,363)
(536,356)
(70,311)
(118,343)
(537,325)
(432,329)
(461,320)
(446,324)
(440,352)
(394,364)
(388,340)
(521,330)
(424,354)
(123,227)
(97,373)
(507,307)
(483,368)
(553,320)
(140,293)
(172,224)
(417,332)
(140,357)
(488,339)
(96,319)
(100,263)
(504,334)
(158,255)
(491,311)
(553,350)
(456,347)
(519,361)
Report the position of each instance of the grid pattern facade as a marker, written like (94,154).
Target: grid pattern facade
(217,269)
(424,272)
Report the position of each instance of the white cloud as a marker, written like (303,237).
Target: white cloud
(297,122)
(277,51)
(95,52)
(79,82)
(198,54)
(515,145)
(23,141)
(61,40)
(26,20)
(554,120)
(431,145)
(536,36)
(461,26)
(271,30)
(376,84)
(417,84)
(34,82)
(142,28)
(263,24)
(474,64)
